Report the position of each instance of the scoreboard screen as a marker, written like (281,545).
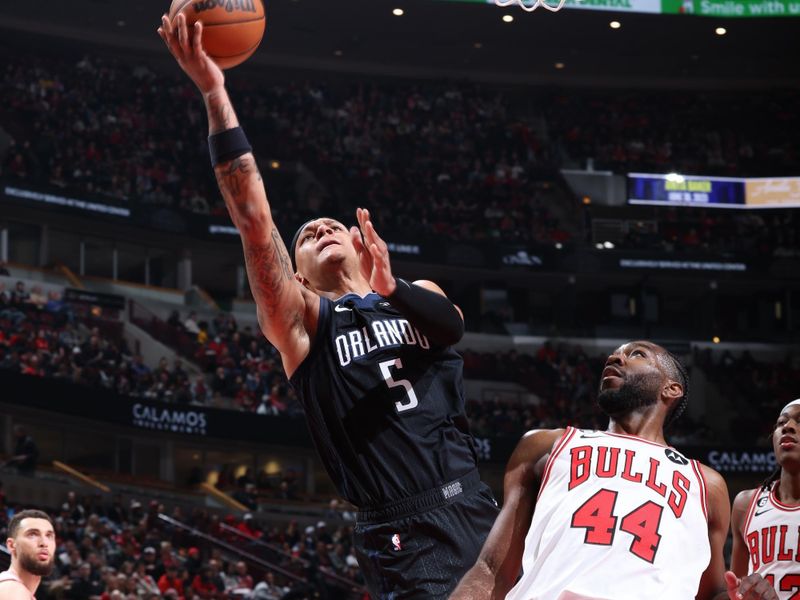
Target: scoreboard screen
(713,192)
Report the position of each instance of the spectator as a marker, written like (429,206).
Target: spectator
(267,589)
(191,323)
(171,581)
(26,453)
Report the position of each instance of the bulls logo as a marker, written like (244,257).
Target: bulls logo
(676,457)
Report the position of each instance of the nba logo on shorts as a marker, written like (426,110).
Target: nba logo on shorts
(396,542)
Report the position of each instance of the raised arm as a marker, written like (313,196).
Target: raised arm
(286,311)
(716,583)
(423,303)
(498,565)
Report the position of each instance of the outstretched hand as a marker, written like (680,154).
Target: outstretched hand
(187,48)
(752,587)
(374,253)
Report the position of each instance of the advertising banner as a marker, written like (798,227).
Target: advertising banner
(773,192)
(702,8)
(713,192)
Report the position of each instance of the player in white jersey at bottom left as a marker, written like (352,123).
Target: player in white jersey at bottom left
(615,514)
(766,521)
(32,543)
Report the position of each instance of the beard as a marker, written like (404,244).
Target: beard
(34,566)
(637,391)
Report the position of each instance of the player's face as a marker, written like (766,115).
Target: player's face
(34,546)
(323,242)
(631,379)
(786,435)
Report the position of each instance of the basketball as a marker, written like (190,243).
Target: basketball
(232,29)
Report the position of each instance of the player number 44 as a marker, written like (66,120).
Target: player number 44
(597,517)
(410,401)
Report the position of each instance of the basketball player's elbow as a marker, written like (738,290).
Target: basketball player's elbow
(450,333)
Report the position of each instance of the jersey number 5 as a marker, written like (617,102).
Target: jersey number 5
(411,398)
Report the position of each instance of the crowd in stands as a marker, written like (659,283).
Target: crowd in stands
(243,371)
(41,336)
(108,549)
(774,233)
(712,133)
(562,381)
(756,390)
(453,160)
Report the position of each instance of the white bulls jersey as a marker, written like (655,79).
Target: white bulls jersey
(772,532)
(617,518)
(11,576)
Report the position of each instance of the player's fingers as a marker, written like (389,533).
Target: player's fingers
(166,25)
(183,34)
(355,234)
(754,587)
(167,34)
(197,39)
(365,226)
(731,580)
(375,238)
(376,253)
(361,216)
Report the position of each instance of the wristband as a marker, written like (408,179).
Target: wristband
(227,145)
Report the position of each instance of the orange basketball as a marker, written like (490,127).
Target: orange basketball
(232,29)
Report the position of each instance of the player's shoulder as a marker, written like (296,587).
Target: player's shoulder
(14,589)
(713,480)
(744,498)
(429,285)
(539,442)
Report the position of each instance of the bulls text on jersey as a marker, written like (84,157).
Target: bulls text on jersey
(769,544)
(605,462)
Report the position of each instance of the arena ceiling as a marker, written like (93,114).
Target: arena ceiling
(453,40)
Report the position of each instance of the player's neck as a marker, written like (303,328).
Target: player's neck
(788,491)
(639,424)
(340,283)
(29,580)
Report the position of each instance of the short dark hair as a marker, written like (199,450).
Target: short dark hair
(13,525)
(677,372)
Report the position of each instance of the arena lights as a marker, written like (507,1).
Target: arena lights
(675,178)
(398,12)
(716,339)
(720,31)
(615,24)
(508,19)
(604,245)
(559,65)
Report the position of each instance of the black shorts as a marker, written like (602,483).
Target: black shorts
(424,553)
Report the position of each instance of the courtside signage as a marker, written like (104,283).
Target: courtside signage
(701,8)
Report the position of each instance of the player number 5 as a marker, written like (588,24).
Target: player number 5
(411,400)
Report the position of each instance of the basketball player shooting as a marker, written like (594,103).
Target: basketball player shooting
(32,544)
(766,521)
(618,514)
(370,356)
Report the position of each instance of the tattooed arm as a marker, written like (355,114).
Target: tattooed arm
(287,312)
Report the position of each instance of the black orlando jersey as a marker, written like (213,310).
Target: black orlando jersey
(384,405)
